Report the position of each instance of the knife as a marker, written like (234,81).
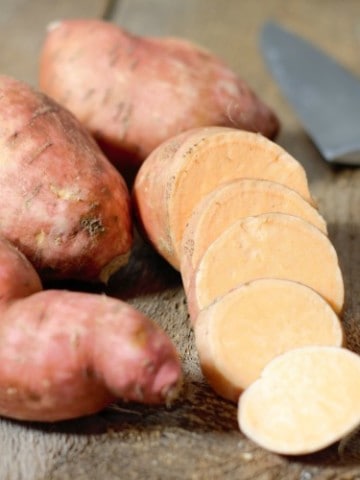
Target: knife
(324,94)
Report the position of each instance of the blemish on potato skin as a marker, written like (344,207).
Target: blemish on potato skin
(149,365)
(93,226)
(33,194)
(36,154)
(14,136)
(11,391)
(89,372)
(65,193)
(40,238)
(58,240)
(42,317)
(140,338)
(33,396)
(106,192)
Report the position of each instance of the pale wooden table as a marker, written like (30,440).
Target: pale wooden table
(197,438)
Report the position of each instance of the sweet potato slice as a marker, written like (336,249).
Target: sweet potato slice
(181,171)
(243,330)
(274,245)
(305,400)
(232,201)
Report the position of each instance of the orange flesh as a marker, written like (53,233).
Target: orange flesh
(150,194)
(273,245)
(305,400)
(210,159)
(243,330)
(232,201)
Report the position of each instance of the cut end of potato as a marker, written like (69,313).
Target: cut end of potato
(274,245)
(213,156)
(305,400)
(113,267)
(245,329)
(231,201)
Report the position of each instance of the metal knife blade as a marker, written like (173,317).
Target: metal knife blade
(324,94)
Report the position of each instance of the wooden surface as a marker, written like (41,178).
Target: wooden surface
(197,438)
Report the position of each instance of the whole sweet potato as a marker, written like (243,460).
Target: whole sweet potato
(67,354)
(61,201)
(134,92)
(17,276)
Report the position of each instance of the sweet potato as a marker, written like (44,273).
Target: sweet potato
(134,92)
(230,202)
(238,334)
(274,245)
(62,203)
(13,285)
(181,171)
(305,400)
(67,354)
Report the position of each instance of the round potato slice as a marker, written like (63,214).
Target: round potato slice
(246,328)
(305,400)
(234,200)
(273,245)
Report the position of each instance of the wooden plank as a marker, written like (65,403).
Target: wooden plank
(197,438)
(22,28)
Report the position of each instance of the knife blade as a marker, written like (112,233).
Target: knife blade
(325,96)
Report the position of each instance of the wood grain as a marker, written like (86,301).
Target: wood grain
(23,25)
(197,437)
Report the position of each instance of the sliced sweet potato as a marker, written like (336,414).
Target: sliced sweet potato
(232,201)
(305,400)
(244,329)
(181,171)
(274,245)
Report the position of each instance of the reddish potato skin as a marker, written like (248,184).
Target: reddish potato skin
(149,195)
(62,203)
(13,285)
(68,354)
(142,90)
